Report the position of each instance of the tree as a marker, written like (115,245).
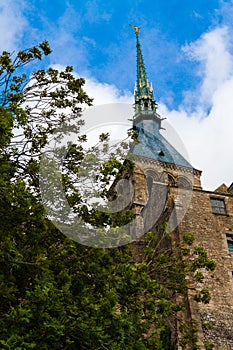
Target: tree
(56,293)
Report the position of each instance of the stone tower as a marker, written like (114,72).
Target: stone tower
(168,188)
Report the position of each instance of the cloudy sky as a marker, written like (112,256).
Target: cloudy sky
(188,52)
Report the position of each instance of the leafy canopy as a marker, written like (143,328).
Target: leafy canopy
(54,292)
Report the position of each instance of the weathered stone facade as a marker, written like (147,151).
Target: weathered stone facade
(167,188)
(213,230)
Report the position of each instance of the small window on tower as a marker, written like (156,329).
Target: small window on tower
(218,205)
(230,242)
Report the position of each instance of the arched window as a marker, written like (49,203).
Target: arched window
(183,182)
(153,174)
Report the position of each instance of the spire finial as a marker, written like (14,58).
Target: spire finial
(135,28)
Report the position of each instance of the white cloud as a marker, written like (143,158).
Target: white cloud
(212,51)
(106,93)
(12,24)
(101,92)
(208,137)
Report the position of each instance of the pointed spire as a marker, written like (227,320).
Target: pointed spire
(142,80)
(144,95)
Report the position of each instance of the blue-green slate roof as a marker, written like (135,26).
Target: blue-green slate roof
(154,146)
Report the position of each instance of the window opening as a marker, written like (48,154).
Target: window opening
(218,205)
(230,242)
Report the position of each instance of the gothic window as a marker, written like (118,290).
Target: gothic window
(218,205)
(230,242)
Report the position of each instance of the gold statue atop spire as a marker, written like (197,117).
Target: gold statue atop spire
(135,28)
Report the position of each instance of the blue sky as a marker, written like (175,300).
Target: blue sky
(188,52)
(95,38)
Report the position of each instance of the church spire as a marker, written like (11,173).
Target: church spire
(147,122)
(143,93)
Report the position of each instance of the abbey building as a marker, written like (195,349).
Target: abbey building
(187,207)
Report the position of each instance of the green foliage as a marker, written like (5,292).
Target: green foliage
(6,124)
(189,335)
(207,325)
(166,338)
(176,268)
(188,238)
(54,292)
(209,346)
(203,296)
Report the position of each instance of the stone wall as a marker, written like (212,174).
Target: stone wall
(193,213)
(210,232)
